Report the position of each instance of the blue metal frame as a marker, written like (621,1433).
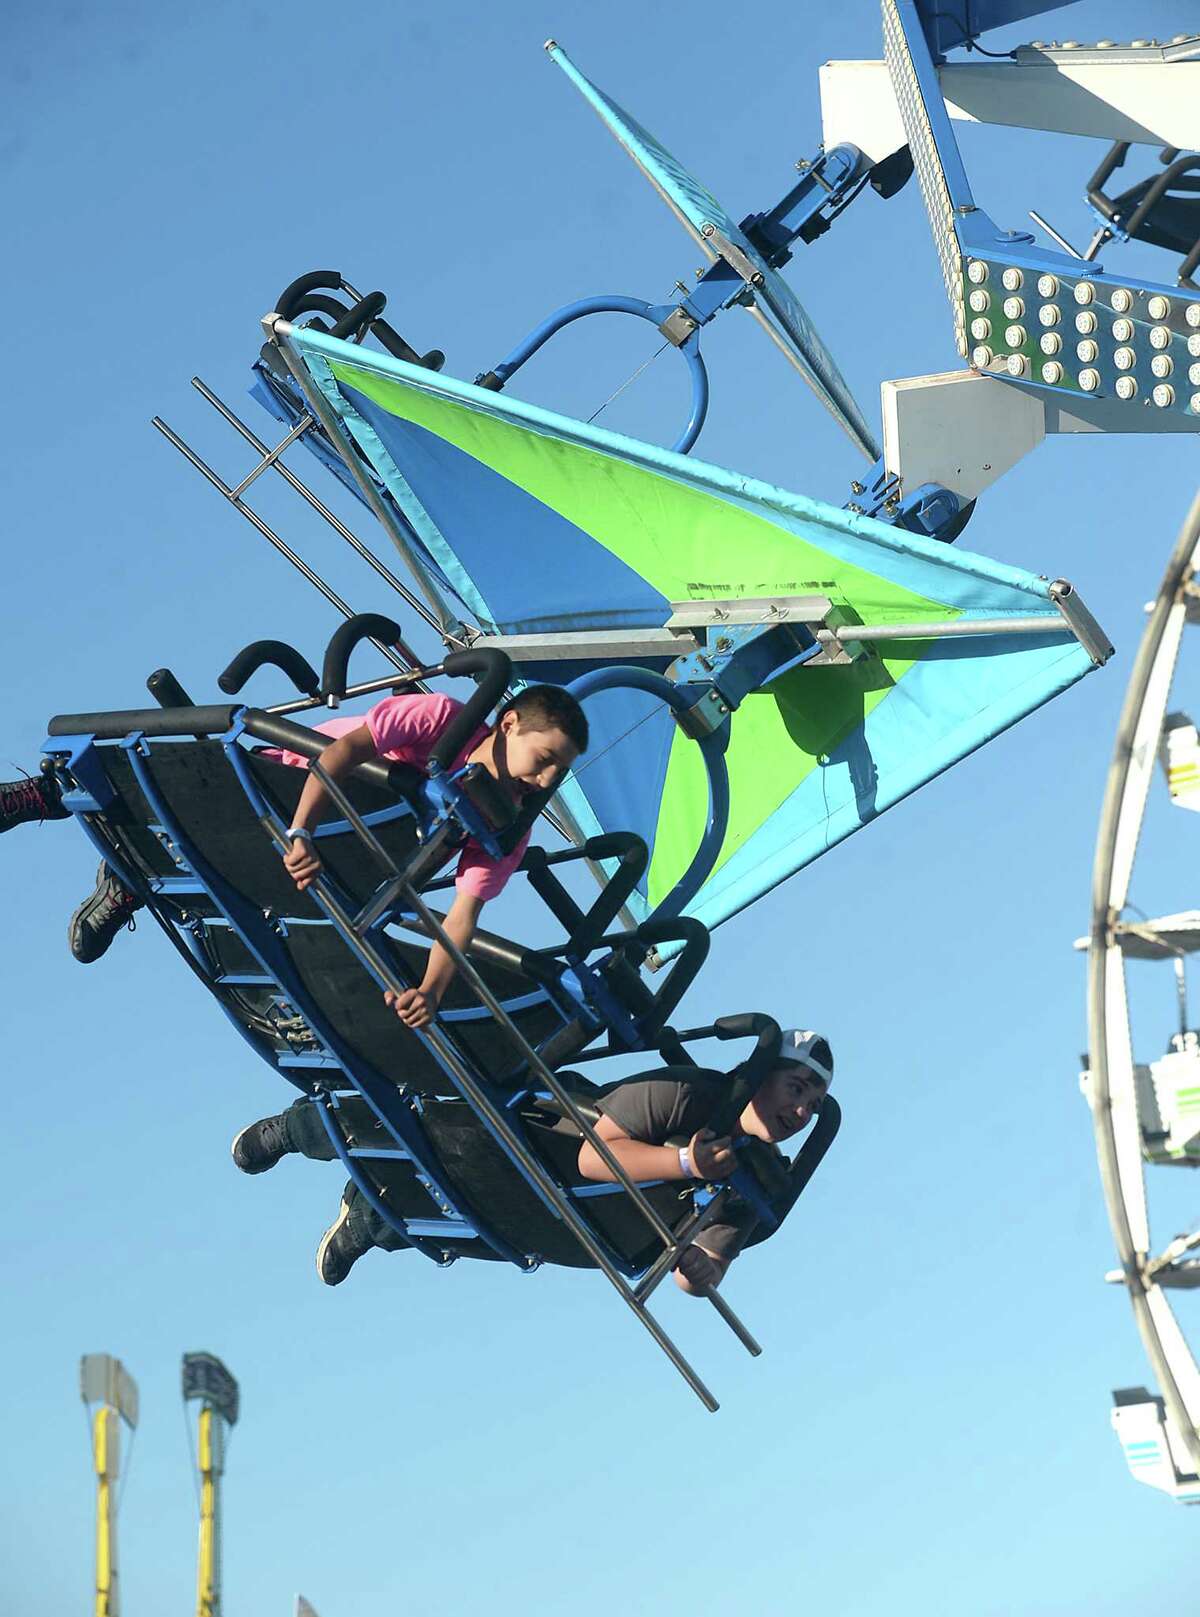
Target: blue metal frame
(680,699)
(613,303)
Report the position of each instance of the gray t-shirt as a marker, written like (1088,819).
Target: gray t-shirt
(668,1109)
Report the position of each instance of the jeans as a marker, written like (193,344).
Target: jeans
(305,1133)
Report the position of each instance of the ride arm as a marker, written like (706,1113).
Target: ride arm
(338,760)
(416,1007)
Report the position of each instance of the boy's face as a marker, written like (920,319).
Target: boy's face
(529,760)
(783,1104)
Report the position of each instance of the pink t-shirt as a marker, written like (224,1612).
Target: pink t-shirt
(406,729)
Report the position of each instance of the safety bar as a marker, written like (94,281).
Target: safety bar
(584,931)
(493,1116)
(166,689)
(275,654)
(493,669)
(362,626)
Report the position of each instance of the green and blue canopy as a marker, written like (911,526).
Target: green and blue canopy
(520,521)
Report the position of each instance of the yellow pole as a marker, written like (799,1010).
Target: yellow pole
(210,1459)
(106,1450)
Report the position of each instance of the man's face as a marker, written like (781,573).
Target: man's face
(529,760)
(784,1103)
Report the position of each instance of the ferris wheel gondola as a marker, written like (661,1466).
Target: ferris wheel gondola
(1144,1114)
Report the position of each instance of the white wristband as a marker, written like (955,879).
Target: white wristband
(298,831)
(685,1162)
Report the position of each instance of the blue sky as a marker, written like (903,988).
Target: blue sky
(928,1428)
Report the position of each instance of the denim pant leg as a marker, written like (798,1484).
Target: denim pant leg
(305,1131)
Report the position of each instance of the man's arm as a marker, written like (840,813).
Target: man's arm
(302,862)
(416,1007)
(710,1157)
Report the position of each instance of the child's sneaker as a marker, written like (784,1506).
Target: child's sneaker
(260,1145)
(103,913)
(340,1247)
(37,797)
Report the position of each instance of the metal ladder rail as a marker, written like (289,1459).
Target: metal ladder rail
(507,1136)
(258,936)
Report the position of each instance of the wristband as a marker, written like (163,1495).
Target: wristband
(298,831)
(685,1162)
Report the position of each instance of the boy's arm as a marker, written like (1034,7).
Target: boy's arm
(416,1007)
(301,861)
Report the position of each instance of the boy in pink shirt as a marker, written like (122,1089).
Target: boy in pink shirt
(536,738)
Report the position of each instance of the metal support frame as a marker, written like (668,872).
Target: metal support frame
(487,1108)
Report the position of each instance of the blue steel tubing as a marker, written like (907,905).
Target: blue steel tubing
(712,747)
(379,1093)
(251,928)
(368,1192)
(616,304)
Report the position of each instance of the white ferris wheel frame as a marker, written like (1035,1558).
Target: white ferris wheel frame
(1112,1090)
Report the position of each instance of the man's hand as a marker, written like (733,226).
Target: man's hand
(301,862)
(712,1158)
(698,1269)
(415,1006)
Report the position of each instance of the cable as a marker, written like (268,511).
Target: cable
(968,39)
(626,382)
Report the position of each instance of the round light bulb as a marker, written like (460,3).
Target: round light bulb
(1162,365)
(980,301)
(1126,387)
(1192,314)
(1084,292)
(1013,279)
(1122,301)
(1047,286)
(1194,375)
(1049,314)
(1050,342)
(1164,395)
(1085,321)
(1194,345)
(1158,307)
(1014,337)
(1051,372)
(1087,350)
(981,329)
(977,272)
(1195,404)
(1124,359)
(1089,381)
(1160,337)
(1016,364)
(1014,308)
(981,358)
(1122,330)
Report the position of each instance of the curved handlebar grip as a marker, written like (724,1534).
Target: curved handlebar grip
(273,653)
(694,936)
(752,1025)
(362,626)
(493,670)
(396,345)
(318,303)
(285,303)
(360,316)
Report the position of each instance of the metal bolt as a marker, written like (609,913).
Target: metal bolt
(724,642)
(858,488)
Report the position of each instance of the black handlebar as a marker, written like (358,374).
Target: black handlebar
(166,689)
(360,316)
(362,626)
(288,301)
(275,654)
(694,936)
(493,669)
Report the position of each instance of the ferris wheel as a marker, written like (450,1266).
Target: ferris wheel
(1147,1116)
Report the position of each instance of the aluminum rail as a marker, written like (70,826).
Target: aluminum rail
(1121,816)
(530,1165)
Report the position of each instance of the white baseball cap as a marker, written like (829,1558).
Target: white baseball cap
(808,1049)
